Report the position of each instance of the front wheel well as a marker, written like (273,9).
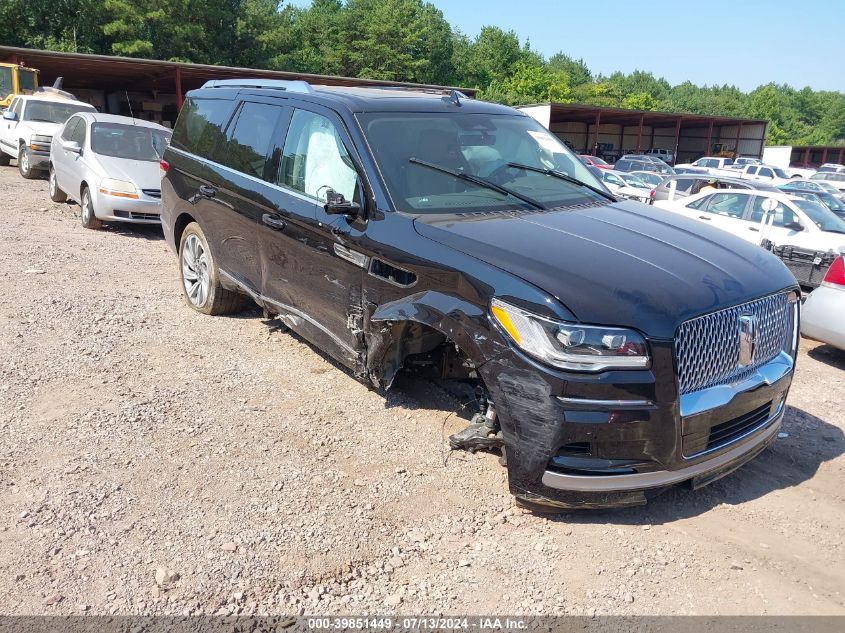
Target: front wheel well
(419,349)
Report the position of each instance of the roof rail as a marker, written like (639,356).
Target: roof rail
(426,89)
(273,84)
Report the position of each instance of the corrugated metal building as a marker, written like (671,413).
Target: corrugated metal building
(155,88)
(615,131)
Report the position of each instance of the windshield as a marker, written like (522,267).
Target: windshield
(5,81)
(26,80)
(597,161)
(128,141)
(475,145)
(823,218)
(52,111)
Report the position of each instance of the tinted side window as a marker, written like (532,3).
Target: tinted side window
(79,132)
(751,170)
(17,108)
(314,158)
(698,204)
(245,148)
(684,184)
(766,173)
(199,129)
(70,127)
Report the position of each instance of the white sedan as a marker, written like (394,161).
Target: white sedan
(755,215)
(619,186)
(823,314)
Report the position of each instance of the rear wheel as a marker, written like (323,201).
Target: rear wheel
(24,166)
(89,219)
(56,194)
(200,277)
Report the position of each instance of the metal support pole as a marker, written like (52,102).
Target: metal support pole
(806,157)
(178,88)
(824,156)
(640,134)
(596,134)
(841,155)
(709,147)
(677,138)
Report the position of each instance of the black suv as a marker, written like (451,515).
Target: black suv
(615,349)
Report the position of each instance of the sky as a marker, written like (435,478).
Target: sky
(746,43)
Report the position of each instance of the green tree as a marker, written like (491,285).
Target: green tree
(530,83)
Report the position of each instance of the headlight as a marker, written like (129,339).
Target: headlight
(119,188)
(571,345)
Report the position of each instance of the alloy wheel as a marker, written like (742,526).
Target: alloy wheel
(195,274)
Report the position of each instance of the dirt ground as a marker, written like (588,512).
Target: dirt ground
(153,460)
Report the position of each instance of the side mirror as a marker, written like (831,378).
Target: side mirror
(10,116)
(72,146)
(337,204)
(794,226)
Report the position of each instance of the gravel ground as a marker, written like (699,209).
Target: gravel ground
(157,461)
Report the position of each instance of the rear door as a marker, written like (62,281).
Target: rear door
(240,199)
(59,155)
(75,164)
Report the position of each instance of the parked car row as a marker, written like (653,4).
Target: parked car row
(109,164)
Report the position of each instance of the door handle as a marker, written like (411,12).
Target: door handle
(703,217)
(274,221)
(754,228)
(207,191)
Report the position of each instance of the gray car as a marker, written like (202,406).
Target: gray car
(109,164)
(684,185)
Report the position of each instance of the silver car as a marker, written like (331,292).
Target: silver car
(822,314)
(109,164)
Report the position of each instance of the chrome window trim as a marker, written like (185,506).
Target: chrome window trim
(280,188)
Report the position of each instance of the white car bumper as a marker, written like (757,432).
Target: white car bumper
(823,316)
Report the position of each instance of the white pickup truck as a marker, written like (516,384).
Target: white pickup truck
(27,128)
(748,171)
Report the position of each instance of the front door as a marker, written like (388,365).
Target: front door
(313,270)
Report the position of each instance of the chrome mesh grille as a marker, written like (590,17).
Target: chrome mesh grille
(707,347)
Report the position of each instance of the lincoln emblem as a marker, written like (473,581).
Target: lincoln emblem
(747,338)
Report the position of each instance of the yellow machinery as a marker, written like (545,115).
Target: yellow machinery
(16,80)
(721,150)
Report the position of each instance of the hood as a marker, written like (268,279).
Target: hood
(144,173)
(625,264)
(44,128)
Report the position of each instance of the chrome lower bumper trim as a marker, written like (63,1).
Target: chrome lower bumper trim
(720,395)
(585,403)
(658,479)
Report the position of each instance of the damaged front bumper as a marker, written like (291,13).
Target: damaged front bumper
(615,439)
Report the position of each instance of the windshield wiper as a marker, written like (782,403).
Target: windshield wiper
(562,176)
(481,182)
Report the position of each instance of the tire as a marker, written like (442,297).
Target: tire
(24,166)
(89,220)
(200,277)
(56,194)
(4,159)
